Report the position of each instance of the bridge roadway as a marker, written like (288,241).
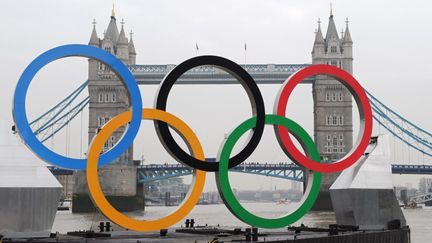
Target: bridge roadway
(261,73)
(289,171)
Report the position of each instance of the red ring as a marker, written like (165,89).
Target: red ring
(363,105)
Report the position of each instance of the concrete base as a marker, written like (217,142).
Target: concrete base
(363,194)
(29,193)
(367,208)
(28,212)
(82,203)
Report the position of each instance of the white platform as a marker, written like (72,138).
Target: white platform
(29,193)
(363,194)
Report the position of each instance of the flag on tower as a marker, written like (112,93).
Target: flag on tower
(196,46)
(245,47)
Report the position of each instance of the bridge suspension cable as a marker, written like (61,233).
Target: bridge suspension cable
(59,116)
(407,132)
(415,137)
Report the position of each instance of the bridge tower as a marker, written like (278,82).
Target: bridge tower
(108,97)
(333,130)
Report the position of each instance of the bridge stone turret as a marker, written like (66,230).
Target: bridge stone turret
(108,98)
(333,129)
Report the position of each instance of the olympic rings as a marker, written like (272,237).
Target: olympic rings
(162,120)
(95,189)
(227,195)
(365,113)
(19,107)
(245,80)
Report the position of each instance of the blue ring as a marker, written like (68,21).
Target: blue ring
(19,109)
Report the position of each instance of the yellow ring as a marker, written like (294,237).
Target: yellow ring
(95,189)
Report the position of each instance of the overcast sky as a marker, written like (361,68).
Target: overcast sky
(391,56)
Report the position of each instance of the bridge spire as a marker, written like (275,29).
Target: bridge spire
(318,34)
(94,40)
(131,44)
(347,36)
(113,11)
(331,29)
(331,9)
(122,40)
(132,52)
(112,30)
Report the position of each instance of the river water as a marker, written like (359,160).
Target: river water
(419,220)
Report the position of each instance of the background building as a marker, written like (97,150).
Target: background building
(68,182)
(425,185)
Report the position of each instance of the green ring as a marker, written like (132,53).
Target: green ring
(227,194)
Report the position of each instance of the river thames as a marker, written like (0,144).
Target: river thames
(419,220)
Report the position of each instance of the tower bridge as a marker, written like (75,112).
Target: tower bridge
(332,103)
(333,128)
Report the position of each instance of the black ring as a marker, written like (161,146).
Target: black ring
(245,80)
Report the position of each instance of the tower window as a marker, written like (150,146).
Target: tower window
(107,97)
(341,120)
(333,49)
(103,120)
(100,98)
(329,120)
(113,97)
(334,96)
(334,120)
(106,146)
(104,67)
(336,144)
(333,63)
(335,141)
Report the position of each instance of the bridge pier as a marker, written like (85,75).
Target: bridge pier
(167,198)
(141,193)
(83,204)
(323,202)
(118,184)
